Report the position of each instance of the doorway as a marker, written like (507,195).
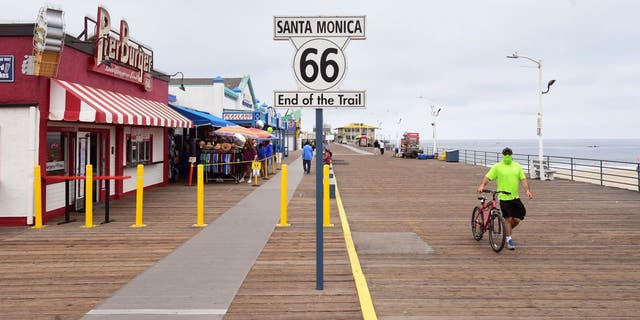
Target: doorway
(89,150)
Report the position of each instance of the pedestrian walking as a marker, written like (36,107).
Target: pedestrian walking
(307,156)
(508,175)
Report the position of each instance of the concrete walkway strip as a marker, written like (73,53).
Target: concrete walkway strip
(356,150)
(158,311)
(205,272)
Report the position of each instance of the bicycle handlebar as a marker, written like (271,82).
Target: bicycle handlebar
(495,192)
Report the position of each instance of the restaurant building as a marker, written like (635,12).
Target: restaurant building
(72,101)
(358,133)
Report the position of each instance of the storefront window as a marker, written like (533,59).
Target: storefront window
(56,153)
(138,149)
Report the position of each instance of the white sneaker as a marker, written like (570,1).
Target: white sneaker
(511,245)
(249,181)
(241,180)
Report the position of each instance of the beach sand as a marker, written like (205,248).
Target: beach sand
(619,178)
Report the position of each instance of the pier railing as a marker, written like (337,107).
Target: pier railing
(620,174)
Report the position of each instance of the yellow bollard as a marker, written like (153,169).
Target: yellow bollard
(283,196)
(255,171)
(200,198)
(88,197)
(279,160)
(326,221)
(37,197)
(273,164)
(265,169)
(139,198)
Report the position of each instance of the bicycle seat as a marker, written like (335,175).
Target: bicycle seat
(482,198)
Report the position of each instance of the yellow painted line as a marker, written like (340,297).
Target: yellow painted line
(366,305)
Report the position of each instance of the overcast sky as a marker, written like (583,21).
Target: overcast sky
(453,52)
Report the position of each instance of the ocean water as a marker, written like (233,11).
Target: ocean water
(627,150)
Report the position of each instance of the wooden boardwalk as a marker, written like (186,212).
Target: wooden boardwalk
(282,282)
(577,252)
(63,271)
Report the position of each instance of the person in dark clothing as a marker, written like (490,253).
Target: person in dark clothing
(326,156)
(249,154)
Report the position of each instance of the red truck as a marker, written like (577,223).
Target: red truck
(410,145)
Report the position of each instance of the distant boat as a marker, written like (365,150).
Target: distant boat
(593,146)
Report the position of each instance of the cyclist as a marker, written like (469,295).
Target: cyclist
(508,174)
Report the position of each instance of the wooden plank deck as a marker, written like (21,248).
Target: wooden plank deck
(577,252)
(63,271)
(282,282)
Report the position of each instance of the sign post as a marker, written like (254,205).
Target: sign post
(319,66)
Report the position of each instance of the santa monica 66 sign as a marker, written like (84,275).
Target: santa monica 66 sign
(319,64)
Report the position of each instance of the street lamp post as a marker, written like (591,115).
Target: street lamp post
(398,139)
(539,122)
(435,111)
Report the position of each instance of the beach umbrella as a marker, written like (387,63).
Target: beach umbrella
(232,130)
(262,135)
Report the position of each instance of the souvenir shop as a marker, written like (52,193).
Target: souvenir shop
(92,99)
(234,99)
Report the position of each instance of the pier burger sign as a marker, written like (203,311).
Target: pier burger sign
(117,57)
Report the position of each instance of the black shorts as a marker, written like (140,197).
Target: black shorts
(513,208)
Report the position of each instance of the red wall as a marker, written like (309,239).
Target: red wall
(74,67)
(25,89)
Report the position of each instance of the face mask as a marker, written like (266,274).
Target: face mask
(507,159)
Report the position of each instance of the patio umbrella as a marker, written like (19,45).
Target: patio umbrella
(262,135)
(232,130)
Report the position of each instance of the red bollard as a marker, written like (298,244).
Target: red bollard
(191,174)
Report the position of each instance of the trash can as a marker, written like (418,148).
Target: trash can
(453,155)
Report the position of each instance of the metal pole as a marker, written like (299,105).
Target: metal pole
(319,197)
(285,151)
(540,149)
(601,181)
(284,176)
(435,148)
(139,197)
(37,197)
(67,219)
(107,188)
(88,197)
(572,169)
(200,198)
(638,169)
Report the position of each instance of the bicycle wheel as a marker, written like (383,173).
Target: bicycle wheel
(477,223)
(497,232)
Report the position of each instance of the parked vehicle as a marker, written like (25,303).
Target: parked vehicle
(410,145)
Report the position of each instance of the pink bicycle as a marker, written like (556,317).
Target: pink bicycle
(488,216)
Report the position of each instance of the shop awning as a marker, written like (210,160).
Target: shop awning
(201,118)
(75,102)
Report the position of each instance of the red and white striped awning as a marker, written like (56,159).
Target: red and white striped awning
(75,102)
